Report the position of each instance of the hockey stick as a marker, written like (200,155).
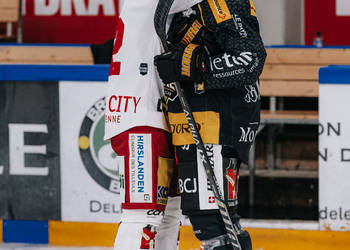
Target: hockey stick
(160,19)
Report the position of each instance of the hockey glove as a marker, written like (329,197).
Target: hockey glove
(184,29)
(181,64)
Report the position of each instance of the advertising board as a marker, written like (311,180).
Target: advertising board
(334,151)
(89,168)
(69,21)
(29,151)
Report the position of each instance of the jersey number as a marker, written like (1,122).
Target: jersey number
(118,42)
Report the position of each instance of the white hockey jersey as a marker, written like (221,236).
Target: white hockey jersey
(134,89)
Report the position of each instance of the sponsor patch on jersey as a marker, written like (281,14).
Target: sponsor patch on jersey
(199,88)
(252,8)
(140,168)
(164,175)
(208,124)
(220,10)
(188,186)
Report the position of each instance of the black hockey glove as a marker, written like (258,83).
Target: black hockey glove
(189,29)
(184,29)
(181,64)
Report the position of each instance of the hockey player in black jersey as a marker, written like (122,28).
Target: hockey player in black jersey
(217,54)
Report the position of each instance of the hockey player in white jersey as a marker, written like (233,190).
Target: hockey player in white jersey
(139,133)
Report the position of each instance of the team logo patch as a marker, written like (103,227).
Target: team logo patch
(143,68)
(97,154)
(170,92)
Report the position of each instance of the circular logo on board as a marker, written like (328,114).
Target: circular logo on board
(97,154)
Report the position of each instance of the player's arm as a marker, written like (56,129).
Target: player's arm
(236,32)
(225,55)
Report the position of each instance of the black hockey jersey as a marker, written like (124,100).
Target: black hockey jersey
(226,106)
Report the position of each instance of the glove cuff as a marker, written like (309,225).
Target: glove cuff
(189,62)
(191,33)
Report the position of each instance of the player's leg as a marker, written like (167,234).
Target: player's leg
(147,173)
(210,230)
(198,201)
(168,232)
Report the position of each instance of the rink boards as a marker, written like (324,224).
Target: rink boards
(78,206)
(102,234)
